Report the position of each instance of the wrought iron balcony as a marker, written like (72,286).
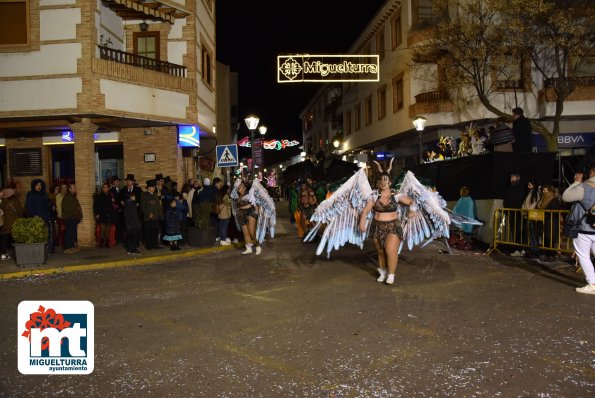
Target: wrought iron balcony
(583,81)
(123,57)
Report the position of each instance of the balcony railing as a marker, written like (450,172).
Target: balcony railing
(432,96)
(123,57)
(584,81)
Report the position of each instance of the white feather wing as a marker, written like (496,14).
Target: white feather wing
(431,219)
(267,218)
(340,215)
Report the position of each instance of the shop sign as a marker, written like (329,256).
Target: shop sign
(568,140)
(188,136)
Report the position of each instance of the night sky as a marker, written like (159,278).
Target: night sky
(250,35)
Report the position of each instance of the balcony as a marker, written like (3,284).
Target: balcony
(583,89)
(123,57)
(431,102)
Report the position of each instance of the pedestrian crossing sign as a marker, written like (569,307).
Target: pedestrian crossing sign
(227,155)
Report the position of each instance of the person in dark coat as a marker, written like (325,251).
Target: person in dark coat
(513,199)
(104,214)
(133,225)
(11,209)
(72,215)
(172,232)
(152,211)
(182,212)
(117,216)
(37,203)
(521,128)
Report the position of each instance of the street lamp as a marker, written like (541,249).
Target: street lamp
(419,123)
(336,143)
(252,123)
(262,130)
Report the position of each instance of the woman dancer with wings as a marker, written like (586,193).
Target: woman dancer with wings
(386,227)
(254,211)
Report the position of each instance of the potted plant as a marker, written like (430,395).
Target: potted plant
(30,236)
(203,233)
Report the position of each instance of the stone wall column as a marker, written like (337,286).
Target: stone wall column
(84,174)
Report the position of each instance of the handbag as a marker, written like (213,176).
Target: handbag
(536,215)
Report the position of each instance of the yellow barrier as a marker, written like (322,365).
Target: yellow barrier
(530,229)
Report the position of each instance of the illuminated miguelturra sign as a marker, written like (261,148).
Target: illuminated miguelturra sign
(328,68)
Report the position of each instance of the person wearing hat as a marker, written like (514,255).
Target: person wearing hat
(161,189)
(117,219)
(465,145)
(130,190)
(152,211)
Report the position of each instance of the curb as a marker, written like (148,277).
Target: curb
(114,264)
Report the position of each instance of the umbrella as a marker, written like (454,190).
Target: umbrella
(338,169)
(299,170)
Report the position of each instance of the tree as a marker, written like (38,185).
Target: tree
(474,42)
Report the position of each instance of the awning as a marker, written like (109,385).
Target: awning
(151,9)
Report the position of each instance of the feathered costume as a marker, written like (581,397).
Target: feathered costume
(260,198)
(341,212)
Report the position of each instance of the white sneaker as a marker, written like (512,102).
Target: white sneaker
(382,276)
(516,253)
(217,240)
(258,250)
(4,257)
(390,279)
(228,240)
(588,289)
(234,241)
(248,249)
(224,243)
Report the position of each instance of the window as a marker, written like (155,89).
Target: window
(510,75)
(207,65)
(422,11)
(14,23)
(380,44)
(347,122)
(146,44)
(368,110)
(396,30)
(398,93)
(382,102)
(25,162)
(356,116)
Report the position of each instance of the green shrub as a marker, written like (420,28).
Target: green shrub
(29,230)
(201,214)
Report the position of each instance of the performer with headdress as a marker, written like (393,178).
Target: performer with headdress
(254,212)
(386,229)
(415,214)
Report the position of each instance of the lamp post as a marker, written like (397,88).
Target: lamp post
(336,143)
(252,123)
(419,123)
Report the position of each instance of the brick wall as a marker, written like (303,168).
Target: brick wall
(24,182)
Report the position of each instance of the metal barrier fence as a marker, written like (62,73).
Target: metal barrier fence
(537,229)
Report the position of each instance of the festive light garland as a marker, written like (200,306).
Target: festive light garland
(272,144)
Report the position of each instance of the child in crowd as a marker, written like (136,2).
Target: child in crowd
(182,212)
(133,226)
(172,224)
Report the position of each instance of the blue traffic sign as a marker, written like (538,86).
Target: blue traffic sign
(227,155)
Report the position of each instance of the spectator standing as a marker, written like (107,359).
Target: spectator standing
(72,215)
(12,209)
(551,224)
(152,215)
(182,213)
(172,232)
(37,203)
(521,129)
(103,211)
(117,216)
(513,199)
(223,201)
(132,224)
(465,206)
(532,226)
(584,244)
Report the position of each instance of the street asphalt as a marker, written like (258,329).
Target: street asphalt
(291,324)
